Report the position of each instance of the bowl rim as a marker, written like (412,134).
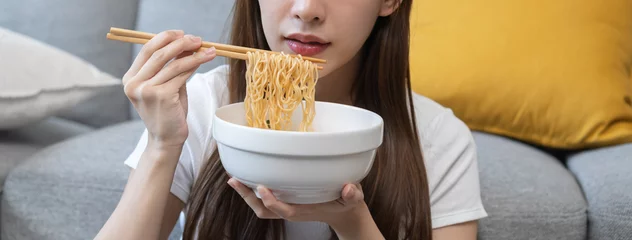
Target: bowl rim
(379,124)
(231,134)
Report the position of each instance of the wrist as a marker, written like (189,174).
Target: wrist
(161,148)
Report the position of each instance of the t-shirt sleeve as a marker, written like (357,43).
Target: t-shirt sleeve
(451,158)
(205,94)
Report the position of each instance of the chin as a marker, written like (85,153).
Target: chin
(328,68)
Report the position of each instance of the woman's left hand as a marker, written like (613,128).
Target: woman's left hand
(268,207)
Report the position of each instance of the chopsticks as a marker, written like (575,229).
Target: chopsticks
(225,50)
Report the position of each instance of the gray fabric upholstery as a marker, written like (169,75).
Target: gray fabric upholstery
(11,154)
(79,27)
(18,144)
(68,190)
(106,108)
(527,193)
(606,177)
(47,132)
(207,19)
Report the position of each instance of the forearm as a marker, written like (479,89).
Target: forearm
(358,225)
(140,211)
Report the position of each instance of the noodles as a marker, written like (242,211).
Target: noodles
(276,85)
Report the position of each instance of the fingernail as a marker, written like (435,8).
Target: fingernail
(262,191)
(350,193)
(194,38)
(231,183)
(210,51)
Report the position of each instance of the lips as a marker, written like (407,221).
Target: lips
(306,45)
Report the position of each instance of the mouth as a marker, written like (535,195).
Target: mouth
(306,45)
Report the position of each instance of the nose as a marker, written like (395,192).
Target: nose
(309,11)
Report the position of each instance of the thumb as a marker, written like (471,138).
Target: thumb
(352,193)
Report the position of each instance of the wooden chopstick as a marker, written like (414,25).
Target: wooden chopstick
(218,46)
(223,53)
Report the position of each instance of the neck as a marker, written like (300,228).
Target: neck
(336,86)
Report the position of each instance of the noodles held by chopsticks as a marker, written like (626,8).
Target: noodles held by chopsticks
(276,85)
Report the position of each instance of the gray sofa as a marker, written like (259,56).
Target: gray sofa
(64,175)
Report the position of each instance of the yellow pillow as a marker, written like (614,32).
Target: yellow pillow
(552,73)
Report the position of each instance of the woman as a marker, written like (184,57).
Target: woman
(423,184)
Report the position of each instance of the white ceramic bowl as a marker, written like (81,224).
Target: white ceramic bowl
(300,167)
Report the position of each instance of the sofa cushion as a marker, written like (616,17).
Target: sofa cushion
(604,175)
(79,27)
(69,190)
(17,145)
(12,154)
(553,73)
(527,193)
(207,19)
(47,132)
(44,84)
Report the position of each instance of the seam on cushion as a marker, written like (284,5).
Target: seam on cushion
(609,216)
(582,213)
(549,142)
(538,218)
(73,185)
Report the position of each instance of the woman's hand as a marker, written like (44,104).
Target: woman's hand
(347,211)
(156,85)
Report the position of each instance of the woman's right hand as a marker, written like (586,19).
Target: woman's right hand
(156,85)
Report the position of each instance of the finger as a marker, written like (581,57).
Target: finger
(184,54)
(251,199)
(160,57)
(177,84)
(352,193)
(281,209)
(157,42)
(182,65)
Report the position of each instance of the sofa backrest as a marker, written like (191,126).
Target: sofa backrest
(208,19)
(79,27)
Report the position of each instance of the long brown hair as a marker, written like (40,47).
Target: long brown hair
(396,188)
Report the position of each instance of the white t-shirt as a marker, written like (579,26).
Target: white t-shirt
(446,142)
